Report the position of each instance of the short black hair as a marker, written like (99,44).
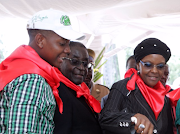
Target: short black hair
(131,57)
(74,44)
(32,33)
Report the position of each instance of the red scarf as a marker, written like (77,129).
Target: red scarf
(25,60)
(168,88)
(154,96)
(174,96)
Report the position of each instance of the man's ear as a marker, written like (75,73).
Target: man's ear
(40,40)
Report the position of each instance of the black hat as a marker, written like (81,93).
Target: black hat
(151,46)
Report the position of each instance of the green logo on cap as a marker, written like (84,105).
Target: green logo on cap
(65,20)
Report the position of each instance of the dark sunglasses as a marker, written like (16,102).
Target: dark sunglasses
(149,65)
(90,65)
(76,62)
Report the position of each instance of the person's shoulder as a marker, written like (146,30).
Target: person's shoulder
(30,76)
(121,82)
(30,84)
(105,97)
(178,104)
(121,86)
(27,79)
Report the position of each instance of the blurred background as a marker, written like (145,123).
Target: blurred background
(117,25)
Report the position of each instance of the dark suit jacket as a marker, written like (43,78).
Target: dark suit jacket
(77,117)
(120,107)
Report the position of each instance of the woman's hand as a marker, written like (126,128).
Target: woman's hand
(142,124)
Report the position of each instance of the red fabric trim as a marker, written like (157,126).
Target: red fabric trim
(174,96)
(25,60)
(168,88)
(153,96)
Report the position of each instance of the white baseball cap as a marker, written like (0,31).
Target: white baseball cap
(56,21)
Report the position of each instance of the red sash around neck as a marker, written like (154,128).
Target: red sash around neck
(25,60)
(153,96)
(174,96)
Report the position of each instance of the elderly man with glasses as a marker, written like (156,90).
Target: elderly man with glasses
(79,107)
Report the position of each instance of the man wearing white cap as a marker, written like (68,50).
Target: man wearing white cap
(30,75)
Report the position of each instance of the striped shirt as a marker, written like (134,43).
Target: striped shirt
(27,105)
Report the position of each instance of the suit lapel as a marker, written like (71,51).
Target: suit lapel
(145,107)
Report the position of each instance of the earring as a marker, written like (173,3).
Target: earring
(41,45)
(138,72)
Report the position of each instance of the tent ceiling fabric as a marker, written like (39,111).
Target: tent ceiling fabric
(25,8)
(125,21)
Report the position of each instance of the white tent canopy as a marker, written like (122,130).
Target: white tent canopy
(121,22)
(125,22)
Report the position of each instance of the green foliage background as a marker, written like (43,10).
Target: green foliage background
(98,74)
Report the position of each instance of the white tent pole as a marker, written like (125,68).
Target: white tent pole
(90,40)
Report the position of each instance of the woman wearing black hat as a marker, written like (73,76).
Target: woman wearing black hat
(138,104)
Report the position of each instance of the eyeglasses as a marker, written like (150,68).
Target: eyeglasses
(76,62)
(90,65)
(149,65)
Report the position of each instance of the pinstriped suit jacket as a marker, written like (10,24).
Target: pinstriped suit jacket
(119,108)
